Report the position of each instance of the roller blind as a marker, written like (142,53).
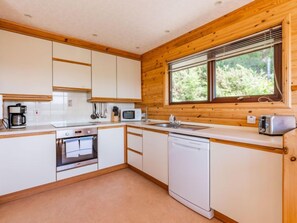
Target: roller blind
(257,41)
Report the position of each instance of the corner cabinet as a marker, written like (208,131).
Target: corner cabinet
(115,79)
(155,154)
(27,161)
(246,183)
(25,67)
(111,146)
(128,78)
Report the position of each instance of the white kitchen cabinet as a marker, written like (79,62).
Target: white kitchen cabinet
(27,162)
(110,146)
(72,53)
(71,75)
(134,144)
(128,78)
(155,155)
(77,171)
(135,159)
(246,184)
(25,65)
(104,75)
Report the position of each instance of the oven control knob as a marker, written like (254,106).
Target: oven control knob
(67,134)
(89,131)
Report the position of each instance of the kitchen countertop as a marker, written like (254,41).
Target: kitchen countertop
(229,133)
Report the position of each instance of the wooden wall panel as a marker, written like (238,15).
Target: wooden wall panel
(258,15)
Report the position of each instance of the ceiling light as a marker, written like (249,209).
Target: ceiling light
(218,2)
(94,34)
(28,15)
(167,31)
(137,47)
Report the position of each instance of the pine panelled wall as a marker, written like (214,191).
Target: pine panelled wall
(254,17)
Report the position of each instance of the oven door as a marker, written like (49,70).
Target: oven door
(76,152)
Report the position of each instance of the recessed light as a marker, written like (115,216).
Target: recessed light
(167,31)
(28,15)
(137,47)
(218,2)
(94,34)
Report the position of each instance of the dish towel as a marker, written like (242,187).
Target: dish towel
(86,145)
(72,147)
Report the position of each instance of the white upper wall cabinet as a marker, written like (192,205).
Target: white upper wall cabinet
(72,53)
(128,78)
(104,75)
(25,65)
(71,75)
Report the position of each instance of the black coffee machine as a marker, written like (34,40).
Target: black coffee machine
(16,117)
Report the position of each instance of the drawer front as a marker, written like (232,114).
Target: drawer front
(76,171)
(135,159)
(134,130)
(135,142)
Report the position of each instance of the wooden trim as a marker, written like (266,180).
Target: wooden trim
(26,97)
(156,130)
(136,134)
(134,151)
(57,184)
(249,146)
(31,31)
(71,89)
(223,217)
(290,177)
(159,183)
(111,127)
(119,100)
(294,88)
(26,134)
(70,61)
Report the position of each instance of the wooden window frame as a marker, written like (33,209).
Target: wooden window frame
(211,84)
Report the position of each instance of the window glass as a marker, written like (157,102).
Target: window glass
(189,84)
(245,75)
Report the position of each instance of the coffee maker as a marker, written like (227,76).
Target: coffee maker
(16,117)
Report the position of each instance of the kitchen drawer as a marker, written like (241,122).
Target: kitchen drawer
(76,171)
(135,142)
(134,130)
(135,159)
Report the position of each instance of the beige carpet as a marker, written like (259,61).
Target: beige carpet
(119,197)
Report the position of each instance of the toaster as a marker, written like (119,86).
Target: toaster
(276,125)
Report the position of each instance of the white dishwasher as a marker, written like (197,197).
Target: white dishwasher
(189,172)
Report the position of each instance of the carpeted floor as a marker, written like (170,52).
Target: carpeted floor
(118,197)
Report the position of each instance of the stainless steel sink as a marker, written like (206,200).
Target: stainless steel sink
(181,126)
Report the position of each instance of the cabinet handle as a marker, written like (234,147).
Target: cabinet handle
(293,158)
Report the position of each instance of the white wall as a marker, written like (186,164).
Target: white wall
(40,113)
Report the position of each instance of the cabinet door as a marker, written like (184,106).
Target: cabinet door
(72,53)
(128,78)
(246,184)
(71,75)
(155,155)
(110,147)
(104,75)
(25,65)
(27,162)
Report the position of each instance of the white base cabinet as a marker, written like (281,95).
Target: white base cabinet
(111,147)
(77,171)
(246,184)
(27,162)
(155,155)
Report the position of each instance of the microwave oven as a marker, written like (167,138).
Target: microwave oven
(130,115)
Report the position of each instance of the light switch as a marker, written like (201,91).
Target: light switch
(251,119)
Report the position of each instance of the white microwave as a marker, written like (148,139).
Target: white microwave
(130,115)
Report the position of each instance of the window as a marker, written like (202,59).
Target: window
(245,70)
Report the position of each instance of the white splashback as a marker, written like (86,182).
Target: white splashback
(58,110)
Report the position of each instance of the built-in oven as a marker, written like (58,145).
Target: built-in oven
(76,148)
